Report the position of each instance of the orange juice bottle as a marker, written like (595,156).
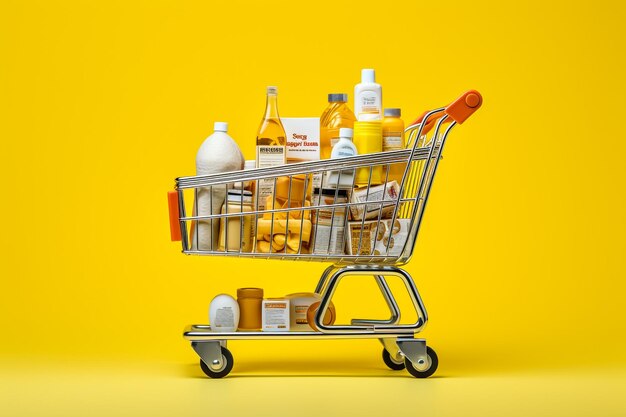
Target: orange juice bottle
(393,139)
(336,116)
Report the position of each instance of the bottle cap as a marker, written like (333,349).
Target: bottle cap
(220,127)
(272,90)
(368,76)
(337,98)
(346,132)
(393,112)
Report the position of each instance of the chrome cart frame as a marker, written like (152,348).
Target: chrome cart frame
(426,138)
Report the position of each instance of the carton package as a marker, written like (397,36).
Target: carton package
(275,315)
(388,191)
(376,235)
(303,141)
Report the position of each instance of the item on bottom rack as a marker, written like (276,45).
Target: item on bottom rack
(224,313)
(388,191)
(374,237)
(329,317)
(250,302)
(275,315)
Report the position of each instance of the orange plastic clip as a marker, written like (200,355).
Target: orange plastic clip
(459,110)
(463,107)
(172,202)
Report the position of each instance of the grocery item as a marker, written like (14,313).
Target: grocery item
(224,313)
(236,231)
(303,138)
(329,222)
(250,302)
(342,149)
(388,191)
(218,153)
(375,237)
(368,97)
(303,144)
(271,145)
(300,304)
(275,315)
(334,117)
(329,317)
(393,139)
(368,138)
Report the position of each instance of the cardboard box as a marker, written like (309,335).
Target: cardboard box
(375,235)
(275,315)
(303,141)
(389,191)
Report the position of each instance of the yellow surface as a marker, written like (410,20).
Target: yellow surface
(520,259)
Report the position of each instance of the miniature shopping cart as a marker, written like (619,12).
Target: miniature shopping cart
(355,233)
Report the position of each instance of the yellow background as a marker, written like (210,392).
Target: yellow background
(520,259)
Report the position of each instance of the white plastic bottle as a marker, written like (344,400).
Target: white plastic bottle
(224,313)
(342,149)
(368,97)
(218,153)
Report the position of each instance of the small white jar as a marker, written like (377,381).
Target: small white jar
(224,314)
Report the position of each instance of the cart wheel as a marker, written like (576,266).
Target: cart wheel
(227,366)
(433,362)
(392,364)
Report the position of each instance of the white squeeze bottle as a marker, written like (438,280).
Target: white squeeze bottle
(218,153)
(342,149)
(368,97)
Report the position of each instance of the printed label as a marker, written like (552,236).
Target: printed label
(392,141)
(368,102)
(224,317)
(268,156)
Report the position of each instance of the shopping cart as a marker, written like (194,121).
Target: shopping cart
(295,222)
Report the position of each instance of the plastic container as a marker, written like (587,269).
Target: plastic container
(393,139)
(334,117)
(218,153)
(368,138)
(234,235)
(224,313)
(250,301)
(342,149)
(368,97)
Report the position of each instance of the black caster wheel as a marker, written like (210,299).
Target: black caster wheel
(392,364)
(433,362)
(227,366)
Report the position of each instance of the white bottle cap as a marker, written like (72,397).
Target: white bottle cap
(346,132)
(220,127)
(368,76)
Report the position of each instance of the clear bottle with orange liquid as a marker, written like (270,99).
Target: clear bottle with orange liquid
(335,116)
(271,143)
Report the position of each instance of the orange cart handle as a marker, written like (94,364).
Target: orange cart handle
(459,110)
(172,202)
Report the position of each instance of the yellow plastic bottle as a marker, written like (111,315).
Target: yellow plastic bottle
(393,139)
(368,138)
(335,116)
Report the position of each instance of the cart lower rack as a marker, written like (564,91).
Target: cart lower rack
(289,224)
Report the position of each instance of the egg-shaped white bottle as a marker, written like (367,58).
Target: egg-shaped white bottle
(224,313)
